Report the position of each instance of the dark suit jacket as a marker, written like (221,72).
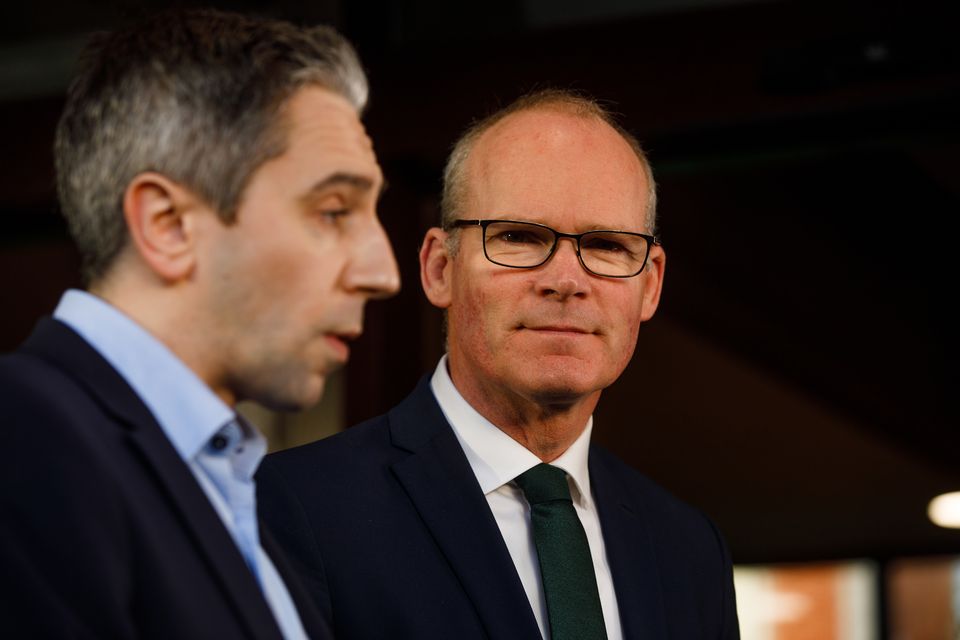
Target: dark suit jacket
(104,531)
(387,524)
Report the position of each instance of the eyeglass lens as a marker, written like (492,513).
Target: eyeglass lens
(607,253)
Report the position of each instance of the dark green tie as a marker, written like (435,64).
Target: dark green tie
(569,583)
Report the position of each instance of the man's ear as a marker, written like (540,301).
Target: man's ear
(652,276)
(435,266)
(159,215)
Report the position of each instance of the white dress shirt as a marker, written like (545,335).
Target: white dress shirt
(496,459)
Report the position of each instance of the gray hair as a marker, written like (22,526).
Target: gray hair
(565,101)
(196,95)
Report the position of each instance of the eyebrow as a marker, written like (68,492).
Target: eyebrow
(589,229)
(354,180)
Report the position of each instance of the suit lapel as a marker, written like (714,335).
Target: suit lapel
(313,623)
(62,347)
(633,563)
(443,489)
(205,527)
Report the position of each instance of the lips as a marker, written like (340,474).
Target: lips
(558,328)
(337,341)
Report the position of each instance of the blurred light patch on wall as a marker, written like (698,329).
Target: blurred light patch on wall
(823,601)
(924,598)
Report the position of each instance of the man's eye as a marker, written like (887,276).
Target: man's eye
(606,245)
(334,215)
(517,237)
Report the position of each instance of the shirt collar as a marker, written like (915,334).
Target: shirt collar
(495,457)
(188,411)
(241,443)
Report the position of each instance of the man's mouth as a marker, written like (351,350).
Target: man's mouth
(338,343)
(558,329)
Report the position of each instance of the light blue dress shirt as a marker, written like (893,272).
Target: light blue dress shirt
(222,450)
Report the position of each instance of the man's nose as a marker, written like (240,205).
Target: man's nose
(373,271)
(563,276)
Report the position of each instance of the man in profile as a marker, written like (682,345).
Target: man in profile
(222,193)
(477,507)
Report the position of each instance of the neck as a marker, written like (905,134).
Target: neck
(546,426)
(163,313)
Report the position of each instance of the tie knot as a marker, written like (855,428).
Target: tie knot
(544,483)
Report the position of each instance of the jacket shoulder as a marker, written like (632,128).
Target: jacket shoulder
(664,509)
(375,442)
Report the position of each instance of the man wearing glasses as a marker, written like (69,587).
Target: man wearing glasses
(477,508)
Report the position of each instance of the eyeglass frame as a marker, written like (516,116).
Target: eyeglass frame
(483,223)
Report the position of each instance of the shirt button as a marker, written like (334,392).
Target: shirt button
(219,442)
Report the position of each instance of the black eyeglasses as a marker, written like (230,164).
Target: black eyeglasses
(524,245)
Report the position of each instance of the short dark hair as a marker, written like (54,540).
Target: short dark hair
(194,94)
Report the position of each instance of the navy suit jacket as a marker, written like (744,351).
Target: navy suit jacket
(394,539)
(104,531)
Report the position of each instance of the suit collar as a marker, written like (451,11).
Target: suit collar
(495,457)
(188,411)
(60,346)
(313,623)
(630,550)
(443,489)
(417,419)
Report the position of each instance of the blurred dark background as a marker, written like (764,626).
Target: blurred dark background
(797,383)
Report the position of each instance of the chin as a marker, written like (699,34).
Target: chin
(311,395)
(297,398)
(572,369)
(564,376)
(554,387)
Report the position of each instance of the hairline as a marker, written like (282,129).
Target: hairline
(93,132)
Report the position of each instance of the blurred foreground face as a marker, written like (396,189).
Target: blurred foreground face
(553,333)
(289,279)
